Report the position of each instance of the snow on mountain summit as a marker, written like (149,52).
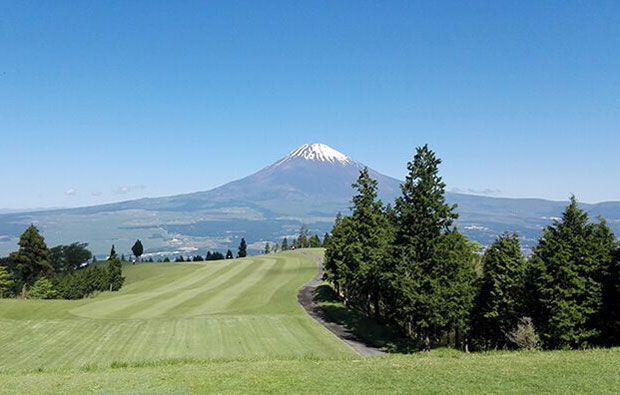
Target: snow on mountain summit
(319,153)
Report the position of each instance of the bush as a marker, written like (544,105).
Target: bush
(42,289)
(525,336)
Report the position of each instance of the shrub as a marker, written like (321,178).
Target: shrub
(42,289)
(525,336)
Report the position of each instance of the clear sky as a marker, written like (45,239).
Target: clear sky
(106,101)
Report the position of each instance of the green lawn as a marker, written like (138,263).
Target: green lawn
(236,327)
(218,310)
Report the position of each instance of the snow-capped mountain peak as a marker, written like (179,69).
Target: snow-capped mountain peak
(319,153)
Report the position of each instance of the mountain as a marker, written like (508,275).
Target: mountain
(310,185)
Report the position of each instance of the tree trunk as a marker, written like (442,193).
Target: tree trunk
(24,291)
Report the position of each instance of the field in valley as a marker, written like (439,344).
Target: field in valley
(236,326)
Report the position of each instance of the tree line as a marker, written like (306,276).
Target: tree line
(34,271)
(407,265)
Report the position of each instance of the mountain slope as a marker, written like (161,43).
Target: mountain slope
(309,185)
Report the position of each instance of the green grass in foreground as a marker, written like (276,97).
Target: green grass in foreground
(244,308)
(442,371)
(236,327)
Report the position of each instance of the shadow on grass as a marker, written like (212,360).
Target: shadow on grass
(365,328)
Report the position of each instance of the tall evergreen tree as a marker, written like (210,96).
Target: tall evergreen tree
(423,221)
(325,240)
(314,241)
(367,247)
(568,268)
(115,277)
(500,302)
(75,254)
(267,248)
(229,254)
(285,244)
(243,249)
(302,240)
(112,252)
(32,259)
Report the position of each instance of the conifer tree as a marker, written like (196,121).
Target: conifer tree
(367,246)
(32,259)
(112,252)
(314,241)
(115,277)
(302,241)
(6,281)
(243,249)
(285,244)
(229,254)
(500,302)
(325,240)
(610,312)
(267,248)
(276,247)
(423,221)
(568,268)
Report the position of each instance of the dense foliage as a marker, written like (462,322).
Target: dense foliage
(36,272)
(409,266)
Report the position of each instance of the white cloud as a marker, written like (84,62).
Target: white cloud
(70,192)
(125,189)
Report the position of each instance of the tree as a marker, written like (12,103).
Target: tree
(610,313)
(500,302)
(243,249)
(423,301)
(112,252)
(229,254)
(75,254)
(166,259)
(267,248)
(42,289)
(314,242)
(567,272)
(115,277)
(57,258)
(325,240)
(365,247)
(302,240)
(137,249)
(276,247)
(32,259)
(6,281)
(285,244)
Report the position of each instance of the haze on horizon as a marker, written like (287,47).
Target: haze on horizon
(103,102)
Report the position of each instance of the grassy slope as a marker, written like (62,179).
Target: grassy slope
(236,327)
(224,310)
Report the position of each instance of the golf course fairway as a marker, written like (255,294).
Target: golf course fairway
(242,308)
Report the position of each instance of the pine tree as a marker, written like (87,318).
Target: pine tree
(314,242)
(6,281)
(366,247)
(285,244)
(229,254)
(276,247)
(112,252)
(267,248)
(42,289)
(325,240)
(500,302)
(568,268)
(32,259)
(115,277)
(335,253)
(302,240)
(243,249)
(423,222)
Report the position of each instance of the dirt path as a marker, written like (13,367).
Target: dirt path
(306,299)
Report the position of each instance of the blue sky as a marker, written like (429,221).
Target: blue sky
(107,101)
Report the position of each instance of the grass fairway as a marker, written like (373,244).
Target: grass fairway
(236,327)
(221,310)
